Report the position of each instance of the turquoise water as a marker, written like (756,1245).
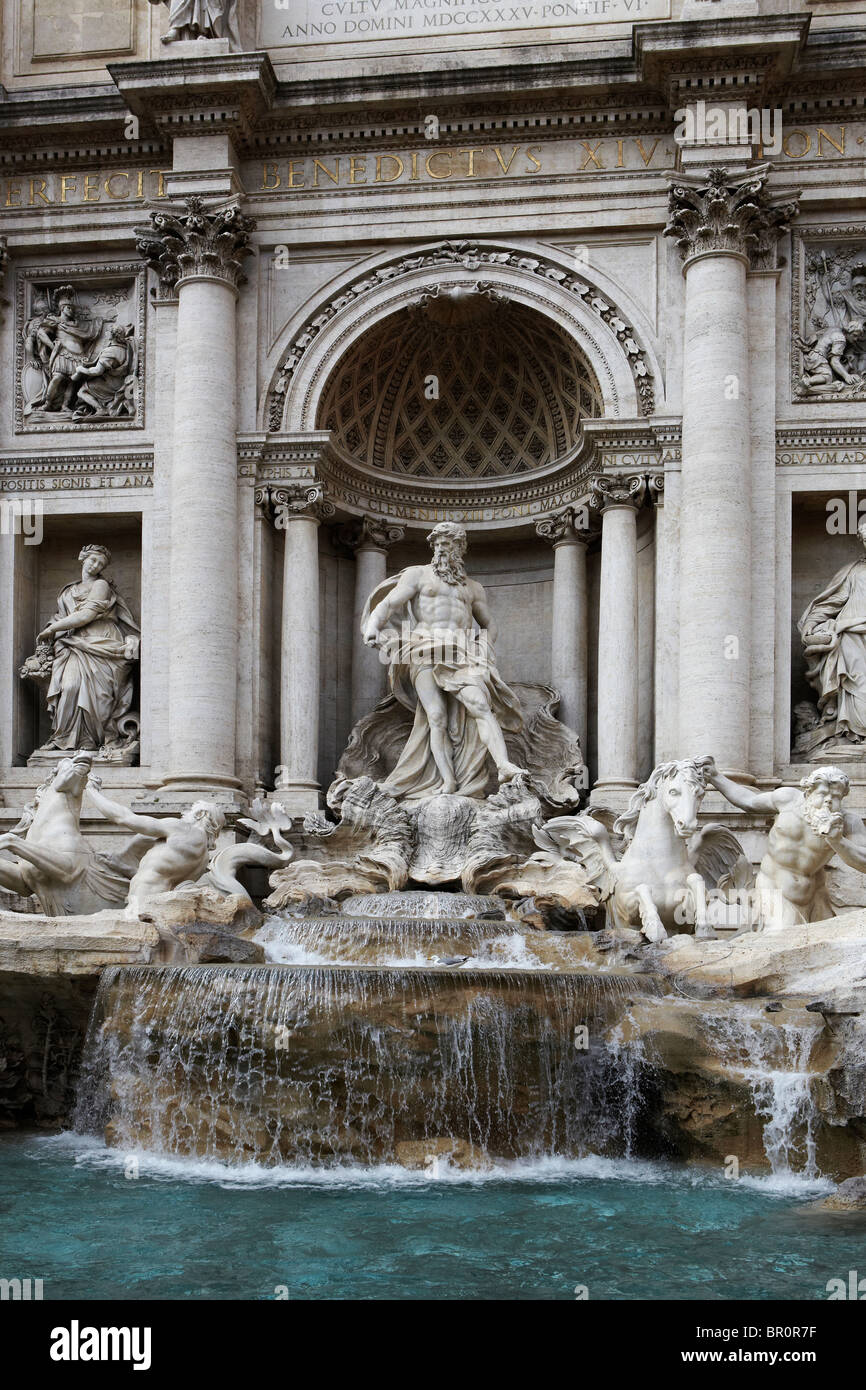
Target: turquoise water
(625,1230)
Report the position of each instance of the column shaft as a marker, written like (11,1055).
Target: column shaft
(369,675)
(618,649)
(203,588)
(569,653)
(715,519)
(297,785)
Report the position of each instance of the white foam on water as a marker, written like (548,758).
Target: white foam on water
(95,1154)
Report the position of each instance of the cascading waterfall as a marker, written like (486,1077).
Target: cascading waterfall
(406,941)
(281,1064)
(380,940)
(774,1059)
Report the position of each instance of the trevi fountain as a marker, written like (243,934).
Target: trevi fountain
(433,700)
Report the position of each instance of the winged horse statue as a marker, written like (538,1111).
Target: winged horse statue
(668,863)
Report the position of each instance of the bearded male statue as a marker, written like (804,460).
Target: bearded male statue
(442,666)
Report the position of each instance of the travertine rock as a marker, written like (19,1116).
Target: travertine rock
(39,945)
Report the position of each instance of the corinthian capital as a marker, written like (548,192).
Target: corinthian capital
(615,490)
(192,239)
(720,212)
(290,501)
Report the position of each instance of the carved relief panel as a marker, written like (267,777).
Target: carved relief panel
(80,336)
(828,315)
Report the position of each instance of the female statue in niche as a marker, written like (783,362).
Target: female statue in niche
(87,652)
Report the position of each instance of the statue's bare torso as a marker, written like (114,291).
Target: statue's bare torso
(436,603)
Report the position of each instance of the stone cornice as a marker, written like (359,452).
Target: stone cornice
(232,91)
(70,472)
(734,57)
(812,446)
(739,58)
(609,446)
(637,445)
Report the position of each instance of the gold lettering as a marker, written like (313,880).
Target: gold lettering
(591,155)
(619,161)
(295,174)
(472,153)
(317,165)
(439,154)
(38,192)
(822,135)
(807,143)
(361,161)
(647,158)
(535,160)
(110,193)
(139,191)
(91,186)
(160,182)
(503,166)
(380,177)
(414,174)
(67,183)
(269,171)
(13,191)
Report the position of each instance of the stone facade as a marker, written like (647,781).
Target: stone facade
(330,291)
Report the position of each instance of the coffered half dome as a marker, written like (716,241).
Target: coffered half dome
(462,384)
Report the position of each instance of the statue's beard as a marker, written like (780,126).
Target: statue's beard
(448,564)
(822,821)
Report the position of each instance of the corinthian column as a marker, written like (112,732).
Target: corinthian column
(198,252)
(568,637)
(370,539)
(723,225)
(619,499)
(297,509)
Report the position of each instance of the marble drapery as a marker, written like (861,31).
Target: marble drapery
(833,631)
(91,677)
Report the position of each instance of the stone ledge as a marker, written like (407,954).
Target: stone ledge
(35,945)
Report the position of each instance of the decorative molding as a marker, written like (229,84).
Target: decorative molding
(195,239)
(724,213)
(821,446)
(75,472)
(607,446)
(468,255)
